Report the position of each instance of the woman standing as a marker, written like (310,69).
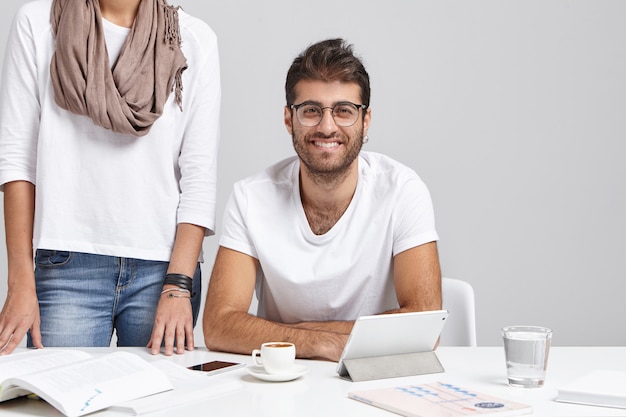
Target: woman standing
(108,169)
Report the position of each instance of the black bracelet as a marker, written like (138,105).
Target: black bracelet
(179,280)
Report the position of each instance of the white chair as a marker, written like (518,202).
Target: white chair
(458,299)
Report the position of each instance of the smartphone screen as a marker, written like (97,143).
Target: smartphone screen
(216,367)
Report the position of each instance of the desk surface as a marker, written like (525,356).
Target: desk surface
(322,393)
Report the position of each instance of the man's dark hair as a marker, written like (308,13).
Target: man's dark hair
(329,60)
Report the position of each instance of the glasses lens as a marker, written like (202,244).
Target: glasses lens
(309,114)
(345,114)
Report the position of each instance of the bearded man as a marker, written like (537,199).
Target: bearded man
(326,236)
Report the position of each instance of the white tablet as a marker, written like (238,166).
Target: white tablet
(393,334)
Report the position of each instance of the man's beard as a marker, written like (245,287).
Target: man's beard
(322,169)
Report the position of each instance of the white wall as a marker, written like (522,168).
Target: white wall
(513,113)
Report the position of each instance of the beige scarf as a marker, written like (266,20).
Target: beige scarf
(129,97)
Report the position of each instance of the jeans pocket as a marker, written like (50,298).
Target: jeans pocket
(46,258)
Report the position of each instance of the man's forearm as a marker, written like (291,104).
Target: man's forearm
(240,332)
(341,327)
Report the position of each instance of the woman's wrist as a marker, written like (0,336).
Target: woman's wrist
(179,280)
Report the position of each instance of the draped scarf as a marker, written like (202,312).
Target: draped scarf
(128,97)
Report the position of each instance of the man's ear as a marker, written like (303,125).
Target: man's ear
(287,120)
(367,120)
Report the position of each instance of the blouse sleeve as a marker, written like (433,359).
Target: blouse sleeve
(199,151)
(19,99)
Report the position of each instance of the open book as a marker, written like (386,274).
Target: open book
(439,399)
(77,383)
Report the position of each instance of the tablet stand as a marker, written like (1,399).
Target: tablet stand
(379,367)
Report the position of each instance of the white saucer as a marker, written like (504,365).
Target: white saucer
(259,372)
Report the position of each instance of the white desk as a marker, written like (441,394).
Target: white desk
(322,393)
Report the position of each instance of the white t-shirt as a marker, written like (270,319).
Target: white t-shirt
(98,191)
(345,273)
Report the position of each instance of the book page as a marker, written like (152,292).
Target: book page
(35,360)
(93,384)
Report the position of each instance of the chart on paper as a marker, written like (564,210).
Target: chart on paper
(438,399)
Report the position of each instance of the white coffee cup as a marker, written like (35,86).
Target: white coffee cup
(275,357)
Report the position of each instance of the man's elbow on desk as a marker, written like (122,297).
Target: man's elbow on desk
(219,333)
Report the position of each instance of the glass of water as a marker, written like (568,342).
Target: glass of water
(526,351)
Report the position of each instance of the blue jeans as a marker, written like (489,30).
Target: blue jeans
(84,297)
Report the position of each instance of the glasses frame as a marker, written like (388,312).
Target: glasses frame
(332,111)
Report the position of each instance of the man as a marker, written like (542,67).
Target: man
(328,236)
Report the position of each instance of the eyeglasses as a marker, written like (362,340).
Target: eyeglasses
(345,114)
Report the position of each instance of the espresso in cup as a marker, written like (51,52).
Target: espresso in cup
(275,357)
(279,345)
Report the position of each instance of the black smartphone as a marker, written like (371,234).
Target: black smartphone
(216,367)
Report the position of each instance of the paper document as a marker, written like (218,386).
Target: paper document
(439,399)
(602,388)
(189,387)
